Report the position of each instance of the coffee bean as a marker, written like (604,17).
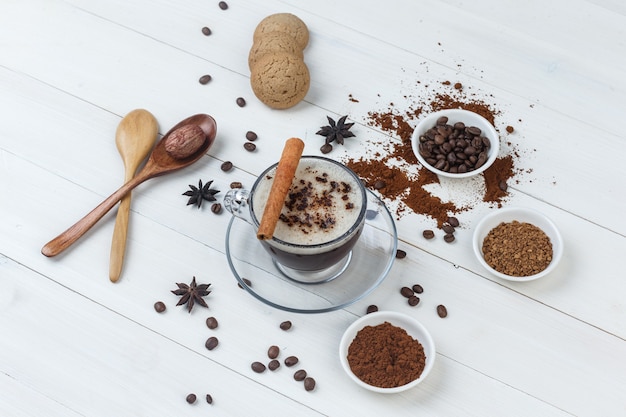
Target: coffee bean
(473,130)
(449,238)
(291,361)
(206,31)
(442,311)
(241,102)
(159,306)
(503,185)
(236,184)
(428,234)
(400,254)
(211,323)
(216,208)
(371,309)
(299,375)
(285,325)
(447,228)
(406,292)
(413,300)
(273,352)
(273,365)
(211,343)
(309,383)
(453,221)
(326,148)
(246,281)
(205,79)
(223,5)
(209,399)
(379,184)
(251,136)
(258,367)
(249,146)
(191,398)
(418,289)
(226,166)
(442,121)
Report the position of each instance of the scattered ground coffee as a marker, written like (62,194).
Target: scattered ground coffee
(386,356)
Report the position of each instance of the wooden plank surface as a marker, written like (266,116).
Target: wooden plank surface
(73,343)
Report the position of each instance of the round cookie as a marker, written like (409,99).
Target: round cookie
(284,22)
(280,80)
(273,42)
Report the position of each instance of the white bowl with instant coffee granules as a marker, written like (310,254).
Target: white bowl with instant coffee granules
(387,352)
(455,143)
(517,244)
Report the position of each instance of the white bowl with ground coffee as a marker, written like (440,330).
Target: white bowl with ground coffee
(517,244)
(387,352)
(455,143)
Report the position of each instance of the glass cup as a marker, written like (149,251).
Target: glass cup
(321,221)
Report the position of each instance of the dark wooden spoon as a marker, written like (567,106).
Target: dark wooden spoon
(159,163)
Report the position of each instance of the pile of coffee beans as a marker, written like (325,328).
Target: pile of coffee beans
(448,228)
(454,148)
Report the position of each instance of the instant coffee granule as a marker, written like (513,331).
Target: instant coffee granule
(517,249)
(386,356)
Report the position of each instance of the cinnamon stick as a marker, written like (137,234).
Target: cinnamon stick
(285,172)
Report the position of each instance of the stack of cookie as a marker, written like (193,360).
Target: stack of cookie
(278,74)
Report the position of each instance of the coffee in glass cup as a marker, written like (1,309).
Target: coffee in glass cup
(321,220)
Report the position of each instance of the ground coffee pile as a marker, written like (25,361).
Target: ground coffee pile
(396,162)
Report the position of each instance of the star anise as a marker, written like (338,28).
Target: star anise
(192,294)
(200,193)
(336,131)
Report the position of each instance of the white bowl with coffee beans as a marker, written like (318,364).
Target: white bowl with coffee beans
(455,143)
(517,244)
(387,352)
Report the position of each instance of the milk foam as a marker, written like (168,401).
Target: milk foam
(333,203)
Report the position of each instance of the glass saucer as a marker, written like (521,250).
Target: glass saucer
(370,262)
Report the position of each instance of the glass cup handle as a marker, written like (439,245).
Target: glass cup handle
(237,203)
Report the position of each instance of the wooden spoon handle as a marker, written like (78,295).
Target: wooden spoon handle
(71,235)
(118,243)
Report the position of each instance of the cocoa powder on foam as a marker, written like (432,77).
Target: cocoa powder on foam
(409,189)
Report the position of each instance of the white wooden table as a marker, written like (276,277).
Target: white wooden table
(74,344)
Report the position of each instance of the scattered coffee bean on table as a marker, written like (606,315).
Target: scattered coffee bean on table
(241,102)
(442,311)
(406,292)
(413,300)
(246,281)
(291,361)
(418,288)
(453,221)
(273,352)
(400,254)
(216,208)
(371,309)
(285,325)
(223,5)
(447,228)
(226,166)
(191,398)
(236,184)
(273,365)
(449,238)
(209,399)
(503,185)
(249,146)
(211,343)
(299,375)
(428,234)
(205,79)
(211,323)
(326,148)
(258,367)
(159,306)
(379,184)
(251,136)
(206,31)
(309,383)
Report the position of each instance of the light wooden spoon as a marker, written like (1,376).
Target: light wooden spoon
(134,138)
(159,163)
